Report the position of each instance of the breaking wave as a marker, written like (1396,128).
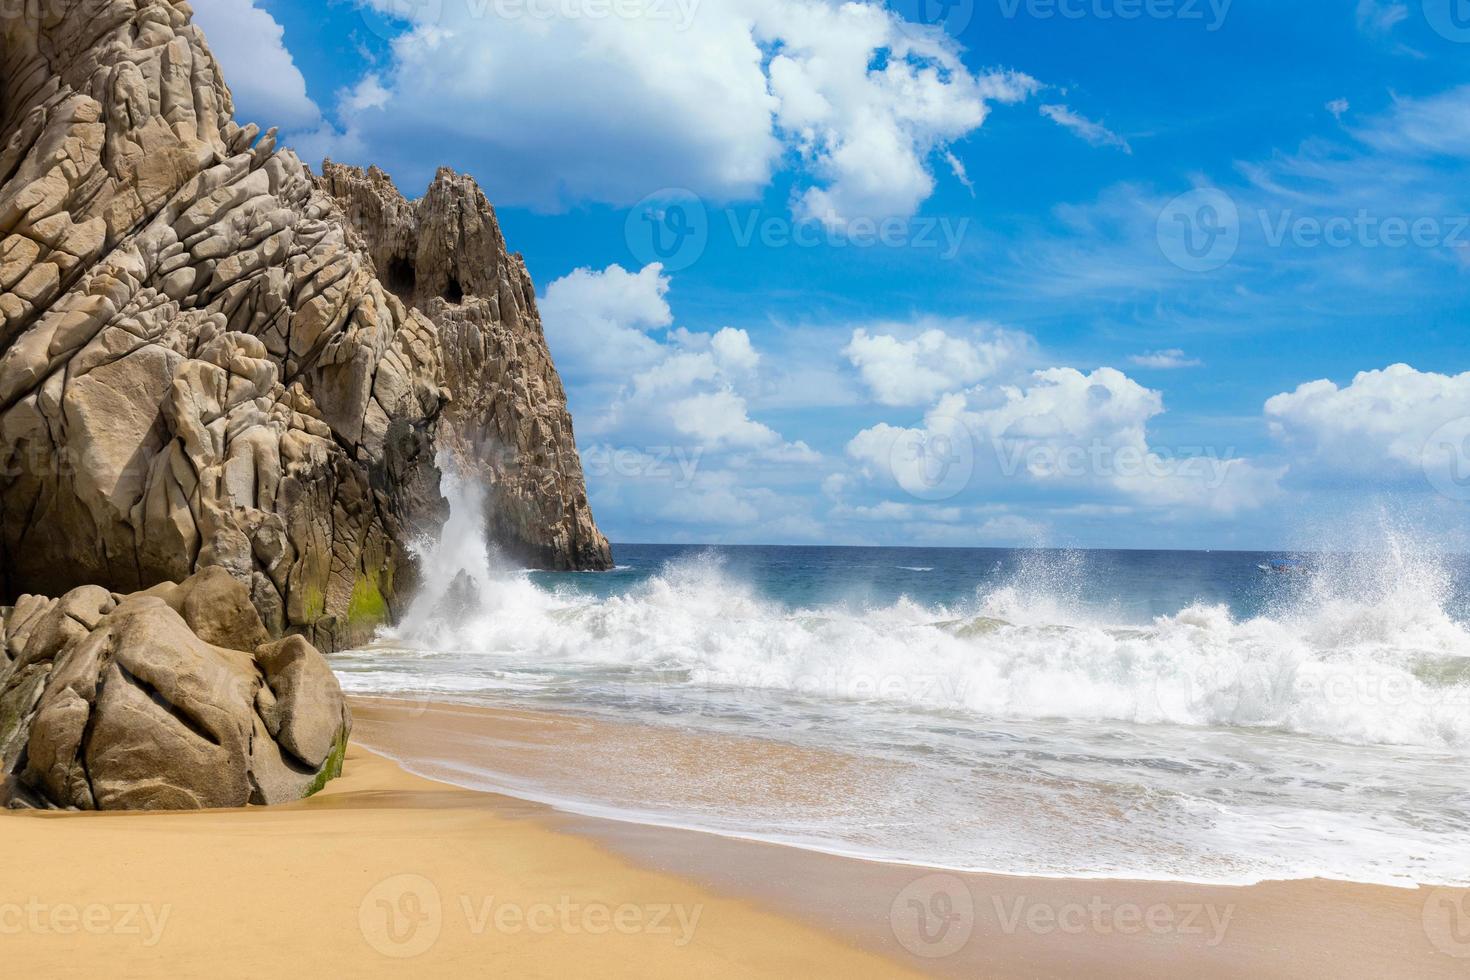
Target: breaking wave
(1361,650)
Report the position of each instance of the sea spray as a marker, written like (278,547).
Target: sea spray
(1274,726)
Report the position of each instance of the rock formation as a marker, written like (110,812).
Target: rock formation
(507,424)
(199,366)
(173,698)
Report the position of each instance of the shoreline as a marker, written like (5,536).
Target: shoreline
(593,810)
(1289,926)
(382,862)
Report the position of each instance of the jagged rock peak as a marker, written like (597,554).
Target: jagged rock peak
(507,423)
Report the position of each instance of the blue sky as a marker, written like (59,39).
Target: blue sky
(1101,273)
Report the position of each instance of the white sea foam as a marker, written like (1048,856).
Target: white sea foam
(1321,737)
(1386,664)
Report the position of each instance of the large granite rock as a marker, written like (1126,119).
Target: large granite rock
(507,424)
(196,367)
(199,366)
(164,699)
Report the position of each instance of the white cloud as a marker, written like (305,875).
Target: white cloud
(1433,125)
(1063,429)
(918,370)
(1164,360)
(1382,418)
(596,322)
(564,109)
(1093,132)
(718,420)
(248,43)
(687,388)
(1338,108)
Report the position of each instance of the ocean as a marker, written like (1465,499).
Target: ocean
(1124,714)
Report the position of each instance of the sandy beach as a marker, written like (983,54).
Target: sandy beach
(386,871)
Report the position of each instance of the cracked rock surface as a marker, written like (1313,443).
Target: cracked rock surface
(200,367)
(507,424)
(172,698)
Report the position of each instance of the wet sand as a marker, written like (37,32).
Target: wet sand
(945,924)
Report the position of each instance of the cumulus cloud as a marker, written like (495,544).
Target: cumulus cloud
(718,419)
(716,98)
(1061,429)
(1164,360)
(684,387)
(917,370)
(1381,419)
(1093,132)
(249,44)
(597,321)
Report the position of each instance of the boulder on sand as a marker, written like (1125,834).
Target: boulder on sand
(165,699)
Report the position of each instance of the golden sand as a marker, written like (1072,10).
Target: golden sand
(386,873)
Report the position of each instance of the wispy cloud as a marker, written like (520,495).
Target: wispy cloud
(1380,17)
(1093,132)
(1165,360)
